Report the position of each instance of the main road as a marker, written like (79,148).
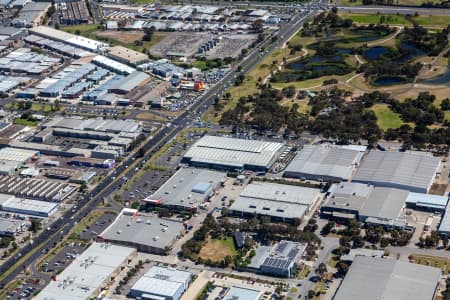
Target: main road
(29,254)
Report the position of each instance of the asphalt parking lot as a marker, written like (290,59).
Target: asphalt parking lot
(62,259)
(98,226)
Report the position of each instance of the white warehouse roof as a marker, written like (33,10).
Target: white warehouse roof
(86,273)
(326,162)
(232,152)
(414,172)
(378,278)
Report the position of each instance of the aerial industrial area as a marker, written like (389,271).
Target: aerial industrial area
(224,150)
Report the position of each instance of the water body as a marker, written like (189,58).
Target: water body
(388,80)
(439,80)
(376,52)
(413,52)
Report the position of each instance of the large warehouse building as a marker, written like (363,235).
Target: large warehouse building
(279,201)
(233,154)
(378,278)
(324,163)
(369,204)
(161,283)
(30,207)
(92,270)
(187,189)
(408,171)
(147,233)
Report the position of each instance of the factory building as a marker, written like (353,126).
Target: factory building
(128,83)
(427,202)
(97,124)
(233,154)
(379,278)
(127,56)
(161,283)
(85,277)
(188,189)
(12,227)
(408,171)
(324,163)
(146,233)
(32,14)
(366,203)
(279,260)
(280,202)
(68,38)
(30,207)
(38,189)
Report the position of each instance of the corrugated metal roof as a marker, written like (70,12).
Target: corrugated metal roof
(235,152)
(388,279)
(325,160)
(398,168)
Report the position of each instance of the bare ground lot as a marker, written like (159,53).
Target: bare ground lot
(231,45)
(186,43)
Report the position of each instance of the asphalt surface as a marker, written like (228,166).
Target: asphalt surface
(62,226)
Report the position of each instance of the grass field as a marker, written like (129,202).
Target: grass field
(217,250)
(433,261)
(25,122)
(397,2)
(386,117)
(375,19)
(424,20)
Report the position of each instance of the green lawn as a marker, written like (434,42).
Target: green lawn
(386,117)
(397,2)
(200,64)
(85,29)
(375,19)
(424,20)
(25,122)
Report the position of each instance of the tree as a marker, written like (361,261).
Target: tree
(327,228)
(148,34)
(35,225)
(321,270)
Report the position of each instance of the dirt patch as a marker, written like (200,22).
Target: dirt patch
(215,250)
(128,37)
(438,189)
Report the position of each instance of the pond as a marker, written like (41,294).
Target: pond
(388,80)
(439,80)
(376,52)
(412,51)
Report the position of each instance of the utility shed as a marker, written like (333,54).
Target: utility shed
(324,162)
(408,171)
(388,279)
(233,154)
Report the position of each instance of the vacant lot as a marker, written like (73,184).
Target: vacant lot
(186,43)
(217,250)
(433,261)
